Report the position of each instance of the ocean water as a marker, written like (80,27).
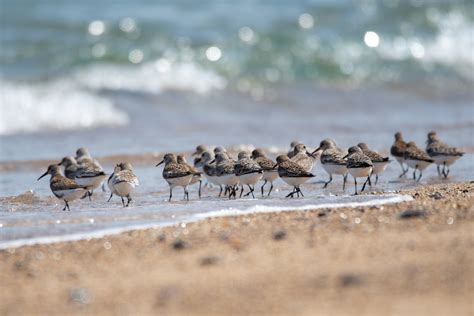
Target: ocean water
(144,76)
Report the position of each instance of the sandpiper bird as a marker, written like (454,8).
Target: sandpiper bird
(200,149)
(197,174)
(226,174)
(248,171)
(270,173)
(332,160)
(398,151)
(380,162)
(175,174)
(207,161)
(441,153)
(303,157)
(292,173)
(291,151)
(417,159)
(70,166)
(89,172)
(359,165)
(122,182)
(63,188)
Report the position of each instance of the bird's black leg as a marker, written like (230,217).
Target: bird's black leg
(220,192)
(129,199)
(241,191)
(439,173)
(252,189)
(355,184)
(414,172)
(366,181)
(403,170)
(326,183)
(67,205)
(171,194)
(376,179)
(344,182)
(292,193)
(111,194)
(419,177)
(90,194)
(447,172)
(199,192)
(271,188)
(123,202)
(299,190)
(263,186)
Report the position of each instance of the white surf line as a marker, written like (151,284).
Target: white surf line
(101,233)
(274,209)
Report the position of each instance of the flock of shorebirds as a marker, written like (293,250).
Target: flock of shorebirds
(77,177)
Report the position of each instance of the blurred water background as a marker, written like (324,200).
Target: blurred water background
(141,76)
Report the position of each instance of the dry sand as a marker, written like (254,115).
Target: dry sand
(347,261)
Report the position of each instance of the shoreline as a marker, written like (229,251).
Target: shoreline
(351,260)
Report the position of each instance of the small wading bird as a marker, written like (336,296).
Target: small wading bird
(197,173)
(293,174)
(359,166)
(441,153)
(417,159)
(380,162)
(248,171)
(270,173)
(332,160)
(63,188)
(398,152)
(122,182)
(176,175)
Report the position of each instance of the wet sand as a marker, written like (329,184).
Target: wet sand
(358,261)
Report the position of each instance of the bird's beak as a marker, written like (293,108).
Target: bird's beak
(198,159)
(345,156)
(276,165)
(212,161)
(316,150)
(60,163)
(160,163)
(42,175)
(310,154)
(195,153)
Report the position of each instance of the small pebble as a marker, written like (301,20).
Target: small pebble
(408,214)
(350,280)
(279,235)
(209,260)
(437,196)
(179,244)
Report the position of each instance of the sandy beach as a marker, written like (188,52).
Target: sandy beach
(410,258)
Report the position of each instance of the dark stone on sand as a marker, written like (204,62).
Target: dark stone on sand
(437,196)
(209,261)
(347,280)
(279,235)
(162,238)
(80,296)
(322,214)
(179,244)
(408,214)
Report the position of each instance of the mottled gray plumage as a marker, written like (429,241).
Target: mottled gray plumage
(357,159)
(435,147)
(374,156)
(413,152)
(399,146)
(288,168)
(263,161)
(224,165)
(302,157)
(246,165)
